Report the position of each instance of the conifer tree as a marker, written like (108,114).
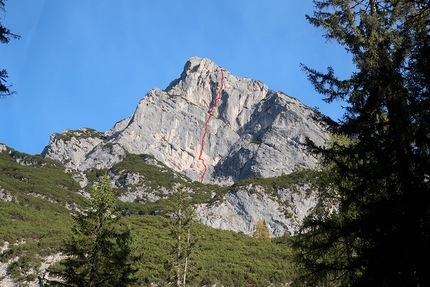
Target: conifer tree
(261,230)
(101,250)
(184,241)
(372,227)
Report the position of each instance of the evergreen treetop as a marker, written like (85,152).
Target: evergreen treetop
(101,251)
(379,180)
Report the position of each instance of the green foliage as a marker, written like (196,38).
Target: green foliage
(229,258)
(324,248)
(287,181)
(155,176)
(182,232)
(31,232)
(158,177)
(32,224)
(82,133)
(36,219)
(219,256)
(101,249)
(256,142)
(226,257)
(37,177)
(374,186)
(39,225)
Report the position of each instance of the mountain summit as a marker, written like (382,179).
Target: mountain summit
(254,131)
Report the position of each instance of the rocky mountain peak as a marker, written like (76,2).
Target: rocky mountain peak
(199,84)
(254,131)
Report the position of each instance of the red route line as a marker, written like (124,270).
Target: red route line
(206,125)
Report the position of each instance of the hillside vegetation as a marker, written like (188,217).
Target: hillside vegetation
(38,197)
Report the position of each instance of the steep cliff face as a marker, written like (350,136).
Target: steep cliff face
(254,131)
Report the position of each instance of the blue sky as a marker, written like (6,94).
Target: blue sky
(87,63)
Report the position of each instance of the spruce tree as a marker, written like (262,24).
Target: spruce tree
(101,251)
(372,226)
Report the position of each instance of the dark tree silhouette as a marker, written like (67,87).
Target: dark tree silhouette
(5,36)
(101,252)
(372,227)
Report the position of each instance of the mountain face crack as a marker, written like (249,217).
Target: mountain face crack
(205,128)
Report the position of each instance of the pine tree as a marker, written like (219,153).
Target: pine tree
(261,230)
(100,252)
(372,227)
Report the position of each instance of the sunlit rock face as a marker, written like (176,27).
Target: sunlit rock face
(240,210)
(254,131)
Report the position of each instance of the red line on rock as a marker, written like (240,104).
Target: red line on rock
(205,130)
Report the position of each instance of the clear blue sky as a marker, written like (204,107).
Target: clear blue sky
(87,63)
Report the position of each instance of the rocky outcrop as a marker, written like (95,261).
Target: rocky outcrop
(241,209)
(254,131)
(83,149)
(6,280)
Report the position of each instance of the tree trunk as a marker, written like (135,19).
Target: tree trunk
(178,263)
(373,7)
(187,255)
(351,271)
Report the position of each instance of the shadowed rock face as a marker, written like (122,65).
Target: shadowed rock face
(254,131)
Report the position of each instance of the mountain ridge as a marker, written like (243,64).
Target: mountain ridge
(258,168)
(254,131)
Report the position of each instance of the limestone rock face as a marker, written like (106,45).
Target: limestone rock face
(254,131)
(83,149)
(240,210)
